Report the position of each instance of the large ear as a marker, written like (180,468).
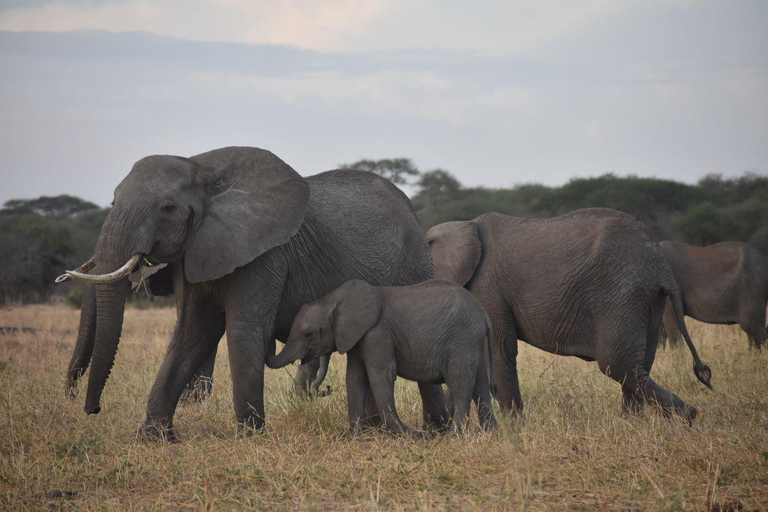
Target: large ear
(253,202)
(357,310)
(456,250)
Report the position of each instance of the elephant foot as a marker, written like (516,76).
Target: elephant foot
(631,404)
(423,435)
(151,432)
(247,427)
(355,432)
(71,391)
(690,413)
(490,424)
(437,424)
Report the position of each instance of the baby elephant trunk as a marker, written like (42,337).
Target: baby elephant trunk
(289,354)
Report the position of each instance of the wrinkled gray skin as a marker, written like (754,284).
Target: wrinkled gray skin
(591,284)
(249,240)
(432,333)
(725,283)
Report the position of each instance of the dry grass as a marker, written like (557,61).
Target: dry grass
(573,451)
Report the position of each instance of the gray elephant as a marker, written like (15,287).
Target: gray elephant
(590,284)
(431,333)
(725,283)
(248,242)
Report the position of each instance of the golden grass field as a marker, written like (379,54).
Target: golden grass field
(574,450)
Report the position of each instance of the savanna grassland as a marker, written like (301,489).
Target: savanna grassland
(574,450)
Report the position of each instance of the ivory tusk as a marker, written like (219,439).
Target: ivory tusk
(85,268)
(107,278)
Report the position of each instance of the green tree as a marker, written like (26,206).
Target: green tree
(399,171)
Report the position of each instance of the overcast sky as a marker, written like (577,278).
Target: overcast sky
(498,93)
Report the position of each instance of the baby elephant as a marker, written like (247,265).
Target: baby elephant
(431,332)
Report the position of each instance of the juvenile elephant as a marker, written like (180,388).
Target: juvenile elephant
(432,333)
(248,242)
(725,283)
(590,284)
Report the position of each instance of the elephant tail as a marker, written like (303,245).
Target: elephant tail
(702,371)
(489,341)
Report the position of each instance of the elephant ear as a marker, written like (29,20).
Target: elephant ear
(357,310)
(253,202)
(456,250)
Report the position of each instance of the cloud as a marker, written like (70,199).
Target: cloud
(517,93)
(331,25)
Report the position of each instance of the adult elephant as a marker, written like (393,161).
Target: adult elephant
(725,283)
(590,284)
(248,242)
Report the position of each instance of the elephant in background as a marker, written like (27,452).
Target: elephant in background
(725,283)
(247,241)
(590,284)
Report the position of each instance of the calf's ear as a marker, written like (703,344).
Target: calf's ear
(358,306)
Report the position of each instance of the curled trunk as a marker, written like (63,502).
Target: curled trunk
(321,373)
(289,354)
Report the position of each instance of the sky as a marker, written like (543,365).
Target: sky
(496,92)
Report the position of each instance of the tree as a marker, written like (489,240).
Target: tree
(62,205)
(397,170)
(437,184)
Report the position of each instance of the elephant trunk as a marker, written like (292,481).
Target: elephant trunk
(85,337)
(112,251)
(321,373)
(110,307)
(290,353)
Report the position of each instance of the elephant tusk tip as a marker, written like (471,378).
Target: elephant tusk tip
(63,278)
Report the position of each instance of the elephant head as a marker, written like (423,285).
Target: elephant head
(212,213)
(335,322)
(456,249)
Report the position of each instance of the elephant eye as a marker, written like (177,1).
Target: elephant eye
(168,208)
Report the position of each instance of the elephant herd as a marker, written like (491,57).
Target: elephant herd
(338,262)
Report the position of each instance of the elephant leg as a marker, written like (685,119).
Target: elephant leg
(671,330)
(358,391)
(253,297)
(197,333)
(436,411)
(381,376)
(752,323)
(201,384)
(462,388)
(304,377)
(505,365)
(631,402)
(628,368)
(481,395)
(642,384)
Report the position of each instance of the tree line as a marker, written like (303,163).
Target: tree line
(39,238)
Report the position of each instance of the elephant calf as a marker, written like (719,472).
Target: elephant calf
(430,332)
